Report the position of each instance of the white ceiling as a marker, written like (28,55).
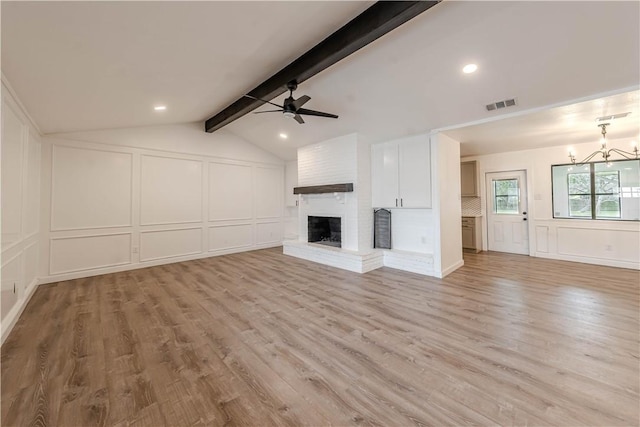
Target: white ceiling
(92,65)
(96,65)
(567,125)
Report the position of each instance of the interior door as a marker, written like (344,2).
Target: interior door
(507,227)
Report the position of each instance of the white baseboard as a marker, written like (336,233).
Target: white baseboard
(444,273)
(14,314)
(588,260)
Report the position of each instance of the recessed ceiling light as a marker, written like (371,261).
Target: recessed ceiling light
(469,68)
(160,107)
(284,136)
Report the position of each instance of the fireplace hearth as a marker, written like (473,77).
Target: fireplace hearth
(325,230)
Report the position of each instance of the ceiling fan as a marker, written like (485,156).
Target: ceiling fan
(292,107)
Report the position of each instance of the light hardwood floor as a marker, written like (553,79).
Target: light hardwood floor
(263,339)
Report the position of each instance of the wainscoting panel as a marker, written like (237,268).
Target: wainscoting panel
(542,239)
(11,279)
(230,195)
(20,154)
(70,254)
(171,190)
(270,232)
(599,243)
(170,243)
(90,188)
(230,237)
(30,257)
(13,132)
(32,202)
(269,192)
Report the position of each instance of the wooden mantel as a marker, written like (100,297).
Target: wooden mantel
(319,189)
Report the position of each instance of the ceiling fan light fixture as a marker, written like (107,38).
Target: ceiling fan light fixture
(289,114)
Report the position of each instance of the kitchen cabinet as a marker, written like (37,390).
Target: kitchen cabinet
(401,173)
(471,233)
(468,179)
(291,181)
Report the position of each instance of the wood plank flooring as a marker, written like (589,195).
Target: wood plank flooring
(262,339)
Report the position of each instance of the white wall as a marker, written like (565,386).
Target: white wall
(613,243)
(445,163)
(129,198)
(291,201)
(20,195)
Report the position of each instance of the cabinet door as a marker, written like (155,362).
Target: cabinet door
(468,181)
(467,238)
(415,172)
(291,180)
(384,175)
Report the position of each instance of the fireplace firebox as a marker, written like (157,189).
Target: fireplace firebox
(325,230)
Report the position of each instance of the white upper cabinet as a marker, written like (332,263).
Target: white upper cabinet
(415,172)
(291,181)
(401,173)
(468,179)
(384,174)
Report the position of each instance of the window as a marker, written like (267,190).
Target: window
(506,196)
(599,190)
(607,194)
(579,194)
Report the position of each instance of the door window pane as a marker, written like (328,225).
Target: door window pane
(506,196)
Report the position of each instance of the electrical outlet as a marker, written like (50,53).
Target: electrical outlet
(135,250)
(423,240)
(608,248)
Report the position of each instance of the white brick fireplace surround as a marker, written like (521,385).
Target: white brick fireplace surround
(341,160)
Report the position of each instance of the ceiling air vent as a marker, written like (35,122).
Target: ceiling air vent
(501,104)
(612,117)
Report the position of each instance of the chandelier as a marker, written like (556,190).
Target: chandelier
(604,151)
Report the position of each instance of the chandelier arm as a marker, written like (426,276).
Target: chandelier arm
(586,159)
(627,155)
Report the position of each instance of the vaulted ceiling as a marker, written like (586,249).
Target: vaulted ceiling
(96,65)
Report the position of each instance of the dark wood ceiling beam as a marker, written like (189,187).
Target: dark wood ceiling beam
(376,21)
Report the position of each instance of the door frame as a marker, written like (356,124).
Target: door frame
(484,191)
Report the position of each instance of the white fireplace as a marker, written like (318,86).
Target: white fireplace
(337,161)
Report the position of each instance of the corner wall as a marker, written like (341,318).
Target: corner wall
(445,154)
(20,194)
(131,198)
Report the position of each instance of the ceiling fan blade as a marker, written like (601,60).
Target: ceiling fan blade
(298,119)
(267,111)
(300,101)
(315,113)
(267,102)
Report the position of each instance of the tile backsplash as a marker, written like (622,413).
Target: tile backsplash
(471,206)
